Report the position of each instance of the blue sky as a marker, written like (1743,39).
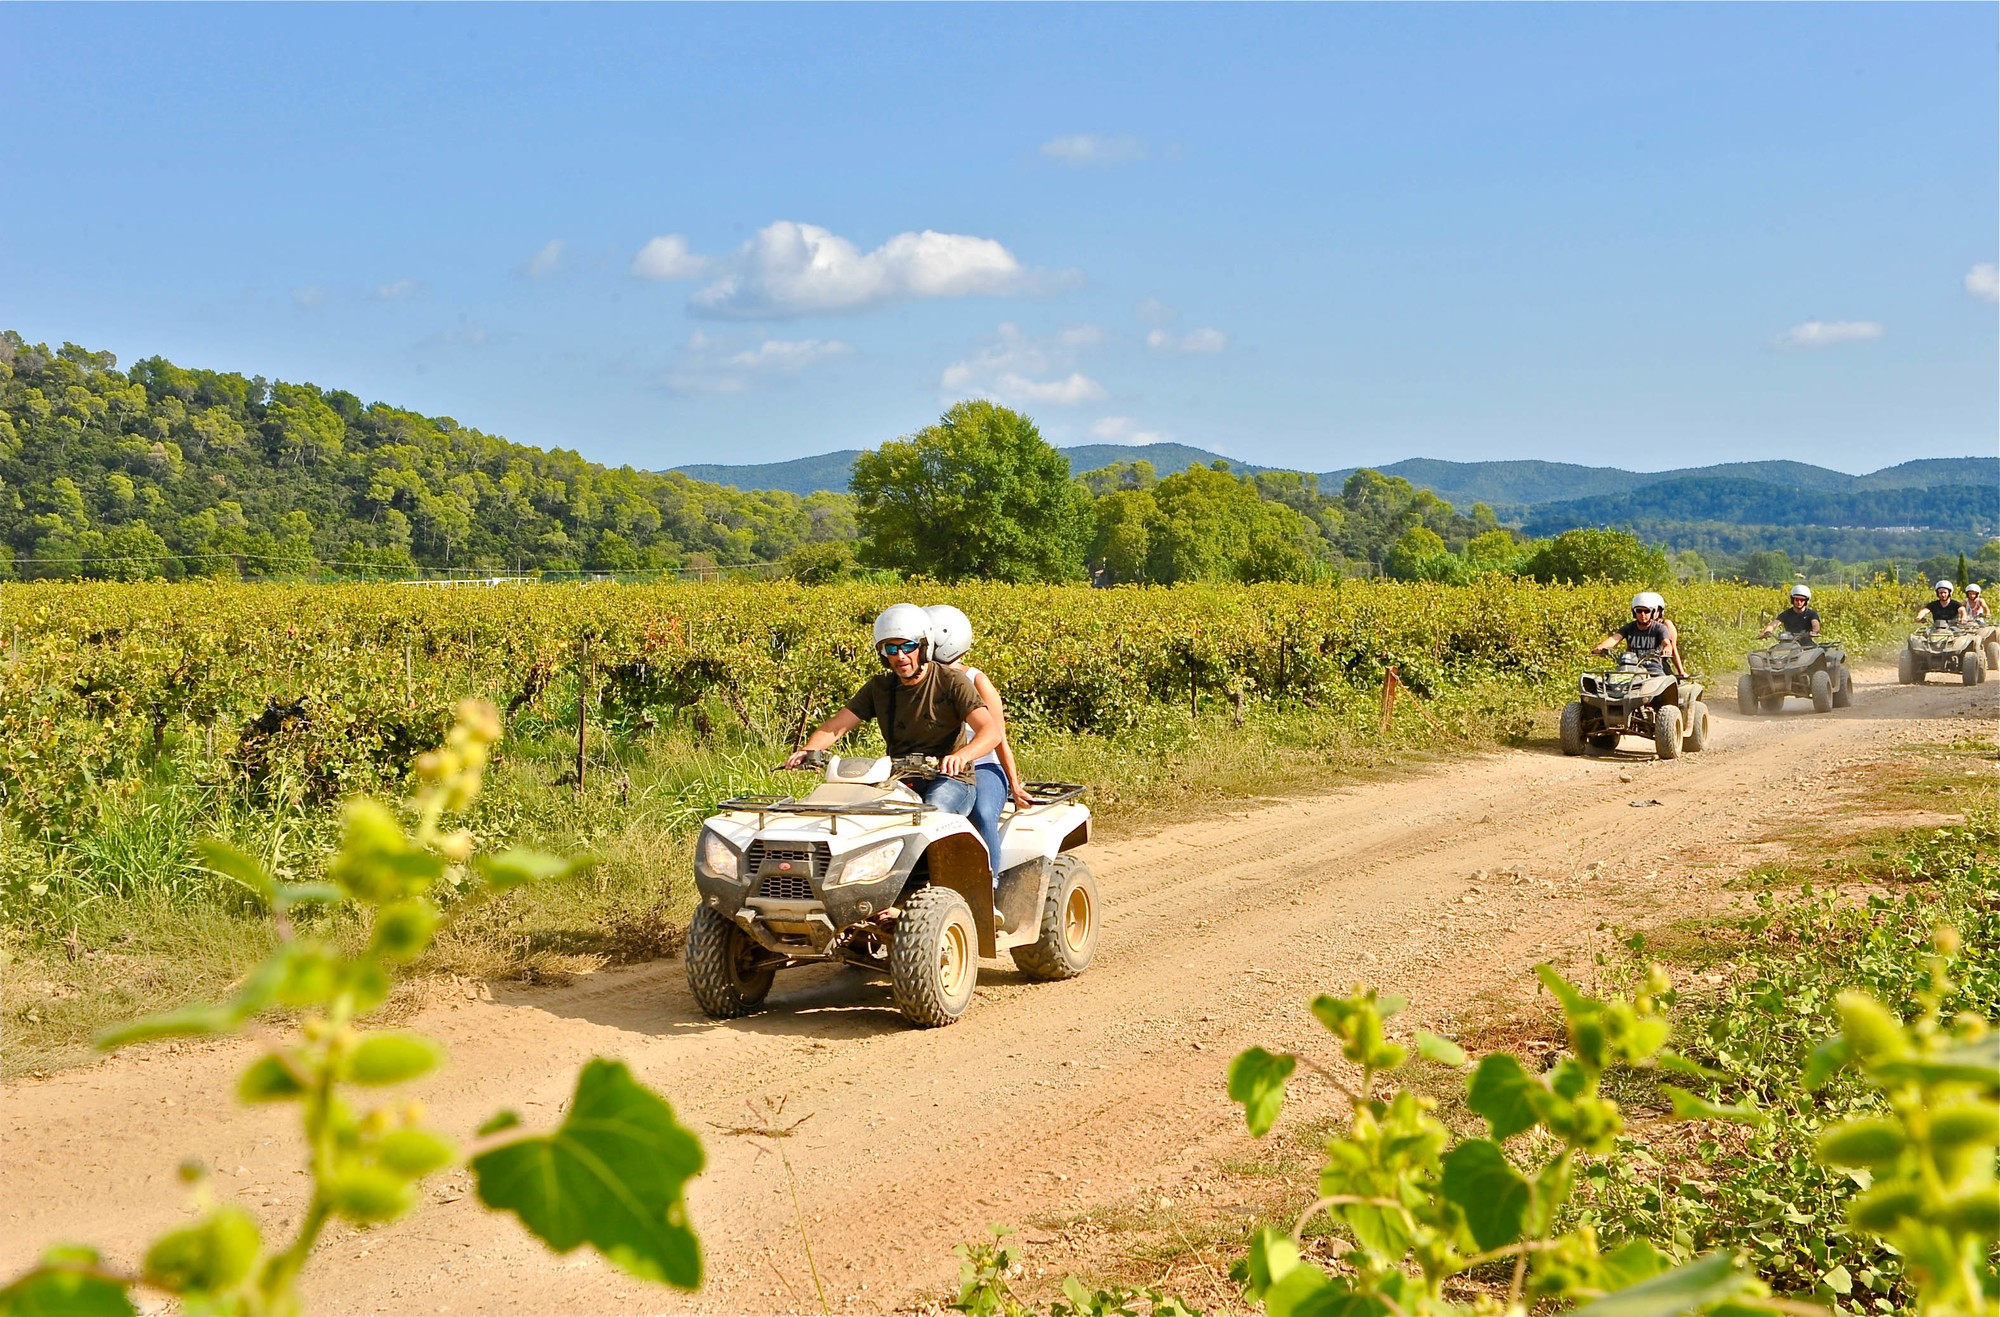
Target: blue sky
(1316,236)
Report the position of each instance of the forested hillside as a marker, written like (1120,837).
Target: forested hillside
(1968,506)
(164,471)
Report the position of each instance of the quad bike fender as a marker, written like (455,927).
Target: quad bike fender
(957,860)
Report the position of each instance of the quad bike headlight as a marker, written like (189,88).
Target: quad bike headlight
(717,856)
(868,865)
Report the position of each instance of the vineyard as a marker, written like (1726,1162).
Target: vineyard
(107,684)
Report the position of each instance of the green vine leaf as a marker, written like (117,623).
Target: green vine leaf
(1483,1184)
(1710,1279)
(1257,1080)
(1505,1093)
(1689,1107)
(1441,1050)
(611,1176)
(65,1289)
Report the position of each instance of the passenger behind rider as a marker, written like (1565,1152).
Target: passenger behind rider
(995,776)
(1647,638)
(922,707)
(1944,608)
(1801,620)
(1975,603)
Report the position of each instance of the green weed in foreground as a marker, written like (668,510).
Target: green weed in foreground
(1764,1191)
(610,1176)
(1428,1225)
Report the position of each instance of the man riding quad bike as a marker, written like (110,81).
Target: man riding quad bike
(879,867)
(1952,642)
(1797,665)
(1648,694)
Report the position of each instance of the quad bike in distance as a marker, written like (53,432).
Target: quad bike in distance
(861,871)
(1631,701)
(1798,665)
(1967,648)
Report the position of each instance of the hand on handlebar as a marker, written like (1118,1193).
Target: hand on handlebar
(954,765)
(805,759)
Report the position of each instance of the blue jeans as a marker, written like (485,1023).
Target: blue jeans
(945,793)
(992,791)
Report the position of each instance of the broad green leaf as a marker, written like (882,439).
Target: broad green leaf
(270,1079)
(1680,1065)
(1574,1003)
(368,1195)
(1867,1142)
(64,1290)
(291,894)
(1257,1080)
(1441,1050)
(512,868)
(1632,1262)
(392,1058)
(403,930)
(1870,1028)
(415,1153)
(220,857)
(377,863)
(1967,1063)
(1506,1094)
(1390,1003)
(499,1120)
(611,1176)
(213,1254)
(1826,1059)
(1706,1280)
(1272,1255)
(1689,1107)
(1383,1231)
(1483,1184)
(1839,1280)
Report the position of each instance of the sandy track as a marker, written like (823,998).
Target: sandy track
(1048,1098)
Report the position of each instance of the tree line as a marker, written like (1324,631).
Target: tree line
(165,471)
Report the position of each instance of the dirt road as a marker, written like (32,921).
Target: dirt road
(1047,1099)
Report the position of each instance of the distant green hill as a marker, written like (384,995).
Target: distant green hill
(830,471)
(1959,507)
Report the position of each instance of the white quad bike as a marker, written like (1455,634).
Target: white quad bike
(860,870)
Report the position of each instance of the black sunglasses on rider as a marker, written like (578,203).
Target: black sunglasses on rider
(889,647)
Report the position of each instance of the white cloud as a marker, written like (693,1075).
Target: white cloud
(1154,312)
(1080,336)
(1096,149)
(1983,281)
(1068,392)
(1195,341)
(309,297)
(715,366)
(668,257)
(546,261)
(792,269)
(1125,430)
(389,292)
(1016,368)
(1821,333)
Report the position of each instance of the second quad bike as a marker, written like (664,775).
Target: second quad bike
(861,871)
(1629,700)
(1798,665)
(1961,647)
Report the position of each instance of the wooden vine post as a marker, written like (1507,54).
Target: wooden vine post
(1390,683)
(582,709)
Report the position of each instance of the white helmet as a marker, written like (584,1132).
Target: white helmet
(1972,587)
(951,633)
(1942,585)
(1802,592)
(1649,599)
(905,622)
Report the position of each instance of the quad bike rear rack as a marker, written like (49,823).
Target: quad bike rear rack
(1053,793)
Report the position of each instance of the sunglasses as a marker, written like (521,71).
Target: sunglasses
(1637,611)
(889,647)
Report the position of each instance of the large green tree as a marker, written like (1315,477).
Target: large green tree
(980,494)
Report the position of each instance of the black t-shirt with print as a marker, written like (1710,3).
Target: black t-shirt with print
(1947,611)
(1647,642)
(1798,621)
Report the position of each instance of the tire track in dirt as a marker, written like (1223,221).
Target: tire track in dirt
(1047,1099)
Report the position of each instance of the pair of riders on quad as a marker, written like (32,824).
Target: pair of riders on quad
(1944,608)
(1649,637)
(930,702)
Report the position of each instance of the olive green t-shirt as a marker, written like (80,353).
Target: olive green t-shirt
(924,719)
